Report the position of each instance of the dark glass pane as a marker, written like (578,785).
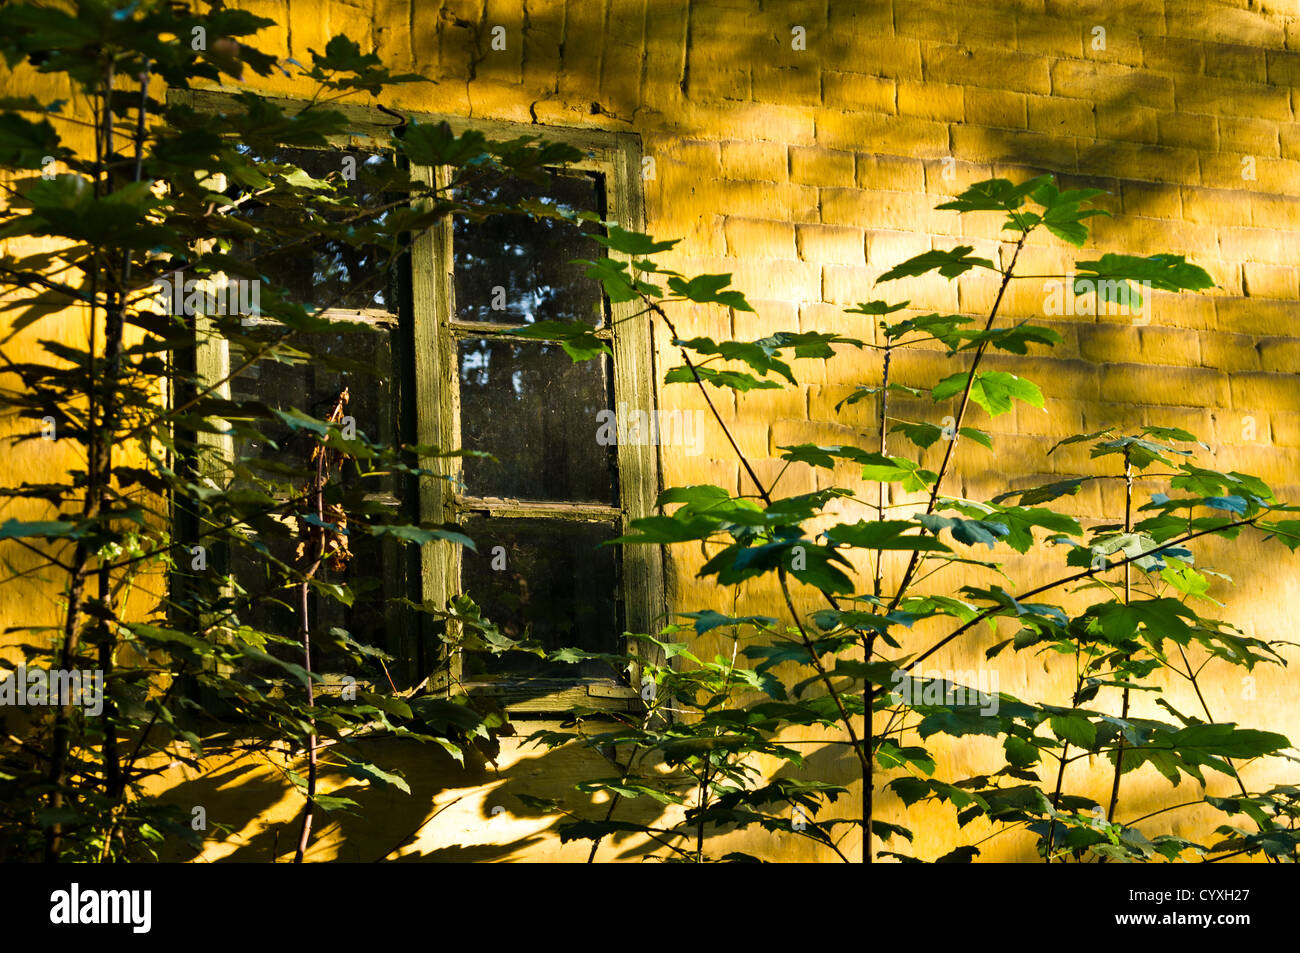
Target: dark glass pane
(375,575)
(535,410)
(514,270)
(326,274)
(555,584)
(361,361)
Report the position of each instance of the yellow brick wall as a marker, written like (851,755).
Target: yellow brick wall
(807,173)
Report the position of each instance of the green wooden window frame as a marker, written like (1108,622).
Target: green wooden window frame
(435,331)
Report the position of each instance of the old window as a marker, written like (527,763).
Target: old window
(555,493)
(433,365)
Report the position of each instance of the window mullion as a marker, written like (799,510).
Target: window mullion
(435,386)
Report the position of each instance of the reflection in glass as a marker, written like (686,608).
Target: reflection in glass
(535,410)
(556,585)
(326,274)
(371,576)
(360,360)
(515,270)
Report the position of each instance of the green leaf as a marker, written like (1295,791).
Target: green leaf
(636,244)
(45,529)
(1075,728)
(994,195)
(1110,277)
(883,534)
(707,289)
(923,435)
(364,771)
(708,620)
(576,337)
(1045,493)
(25,144)
(876,307)
(950,264)
(735,380)
(965,531)
(992,390)
(979,436)
(759,355)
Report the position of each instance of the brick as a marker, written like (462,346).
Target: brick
(820,316)
(1108,82)
(996,69)
(975,28)
(1230,352)
(754,161)
(865,208)
(775,278)
(759,237)
(931,100)
(743,198)
(926,21)
(992,145)
(1074,380)
(873,16)
(887,248)
(1121,43)
(947,176)
(902,134)
(1276,175)
(1197,421)
(710,83)
(1281,355)
(1254,315)
(1283,67)
(1152,201)
(1219,23)
(1176,386)
(996,107)
(1263,392)
(821,167)
(1061,117)
(845,284)
(1270,281)
(1126,160)
(1126,122)
(1188,131)
(1244,63)
(786,85)
(858,92)
(1048,36)
(1173,54)
(1258,244)
(1256,137)
(1289,140)
(1197,94)
(880,53)
(1216,206)
(830,244)
(1284,428)
(1108,343)
(1275,211)
(822,401)
(890,172)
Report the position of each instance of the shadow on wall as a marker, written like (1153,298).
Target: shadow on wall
(478,816)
